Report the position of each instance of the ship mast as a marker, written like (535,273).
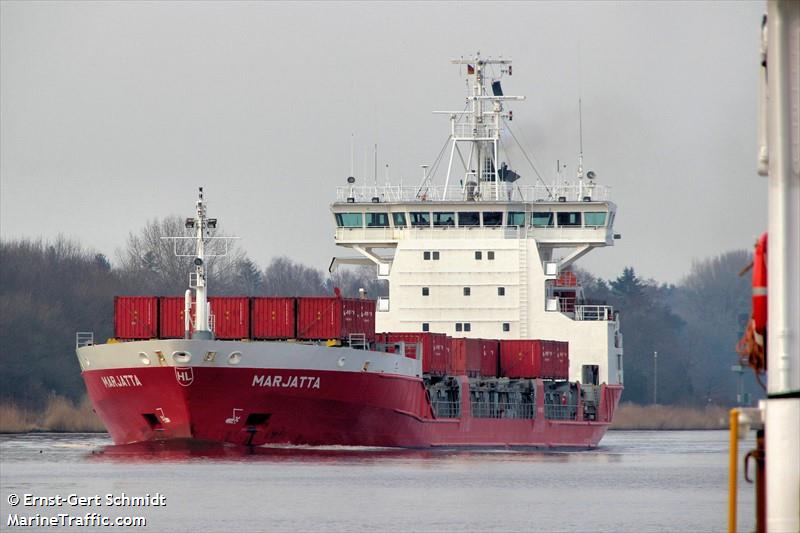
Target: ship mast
(479,128)
(198,280)
(201,223)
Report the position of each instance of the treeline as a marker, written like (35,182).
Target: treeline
(50,290)
(692,326)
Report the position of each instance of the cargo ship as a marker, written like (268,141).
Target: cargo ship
(485,337)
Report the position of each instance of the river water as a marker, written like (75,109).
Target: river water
(635,481)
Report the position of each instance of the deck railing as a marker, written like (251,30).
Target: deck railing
(446,409)
(505,192)
(503,410)
(560,411)
(594,312)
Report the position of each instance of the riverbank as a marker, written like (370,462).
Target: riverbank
(59,415)
(62,415)
(630,416)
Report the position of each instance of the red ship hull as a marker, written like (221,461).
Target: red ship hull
(256,406)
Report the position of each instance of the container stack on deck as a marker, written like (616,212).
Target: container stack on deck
(273,318)
(435,349)
(242,317)
(335,318)
(534,359)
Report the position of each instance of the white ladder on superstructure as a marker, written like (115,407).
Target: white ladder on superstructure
(523,283)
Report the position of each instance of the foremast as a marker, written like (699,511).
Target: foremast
(198,279)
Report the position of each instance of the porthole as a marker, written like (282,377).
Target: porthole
(144,358)
(235,358)
(181,357)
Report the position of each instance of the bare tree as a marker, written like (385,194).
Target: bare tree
(150,265)
(284,277)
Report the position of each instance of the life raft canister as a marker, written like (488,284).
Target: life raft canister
(760,285)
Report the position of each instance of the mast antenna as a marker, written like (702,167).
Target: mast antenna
(580,140)
(352,154)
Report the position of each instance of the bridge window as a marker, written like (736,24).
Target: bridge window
(542,220)
(426,291)
(493,218)
(426,326)
(490,255)
(506,326)
(516,218)
(399,220)
(595,219)
(377,220)
(569,219)
(501,291)
(478,255)
(471,218)
(349,220)
(435,256)
(420,219)
(458,326)
(426,256)
(467,291)
(444,219)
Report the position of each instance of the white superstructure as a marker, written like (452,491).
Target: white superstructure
(483,256)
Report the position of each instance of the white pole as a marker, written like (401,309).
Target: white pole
(187,314)
(782,417)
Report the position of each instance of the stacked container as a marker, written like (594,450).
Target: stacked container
(231,316)
(273,318)
(562,355)
(534,359)
(435,349)
(171,324)
(135,317)
(521,358)
(465,357)
(490,358)
(320,318)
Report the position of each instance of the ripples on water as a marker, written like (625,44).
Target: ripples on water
(635,481)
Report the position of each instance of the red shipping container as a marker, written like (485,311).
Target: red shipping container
(490,357)
(170,317)
(231,316)
(135,317)
(273,318)
(465,357)
(320,318)
(562,355)
(549,361)
(521,358)
(435,349)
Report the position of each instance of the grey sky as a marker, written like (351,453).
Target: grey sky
(112,113)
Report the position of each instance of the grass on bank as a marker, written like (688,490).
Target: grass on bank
(632,416)
(59,415)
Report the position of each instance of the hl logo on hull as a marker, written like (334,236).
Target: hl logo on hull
(184,375)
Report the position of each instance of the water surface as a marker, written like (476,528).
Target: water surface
(635,481)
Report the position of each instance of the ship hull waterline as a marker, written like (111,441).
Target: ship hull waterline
(277,404)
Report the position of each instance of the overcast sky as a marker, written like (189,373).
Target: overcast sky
(113,113)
